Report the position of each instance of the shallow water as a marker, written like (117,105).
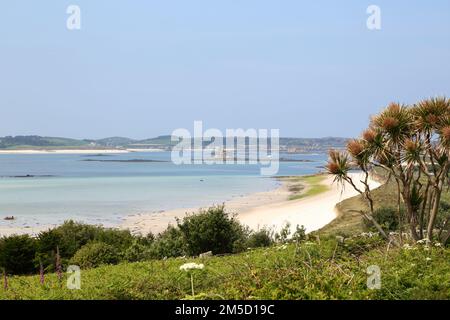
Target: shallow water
(65,186)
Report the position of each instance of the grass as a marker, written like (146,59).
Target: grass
(349,222)
(310,270)
(307,186)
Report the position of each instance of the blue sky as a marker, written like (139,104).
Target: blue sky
(144,68)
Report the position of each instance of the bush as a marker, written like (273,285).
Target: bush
(137,252)
(95,254)
(47,242)
(71,236)
(168,244)
(17,254)
(212,230)
(387,217)
(443,217)
(120,239)
(300,234)
(261,238)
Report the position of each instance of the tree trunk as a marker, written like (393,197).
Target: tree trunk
(434,212)
(410,214)
(400,222)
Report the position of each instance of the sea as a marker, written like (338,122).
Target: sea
(47,189)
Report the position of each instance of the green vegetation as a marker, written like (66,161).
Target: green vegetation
(161,142)
(90,246)
(265,265)
(311,269)
(95,254)
(412,145)
(307,186)
(349,221)
(401,228)
(37,142)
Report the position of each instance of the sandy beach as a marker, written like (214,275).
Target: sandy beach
(270,209)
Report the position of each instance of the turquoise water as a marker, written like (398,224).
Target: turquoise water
(61,187)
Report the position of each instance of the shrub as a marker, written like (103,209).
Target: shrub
(47,242)
(283,235)
(387,217)
(120,239)
(261,238)
(168,244)
(443,217)
(299,234)
(137,252)
(17,254)
(95,254)
(212,230)
(71,236)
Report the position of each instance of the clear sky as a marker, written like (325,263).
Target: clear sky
(144,68)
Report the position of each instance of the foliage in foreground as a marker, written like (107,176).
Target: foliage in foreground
(322,269)
(90,246)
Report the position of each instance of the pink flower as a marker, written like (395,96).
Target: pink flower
(58,264)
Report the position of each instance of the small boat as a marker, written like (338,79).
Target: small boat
(10,218)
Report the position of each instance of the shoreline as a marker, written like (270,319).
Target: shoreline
(76,151)
(268,209)
(64,151)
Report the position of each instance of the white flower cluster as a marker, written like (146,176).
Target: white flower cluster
(191,266)
(368,234)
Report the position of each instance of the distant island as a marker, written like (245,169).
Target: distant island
(163,143)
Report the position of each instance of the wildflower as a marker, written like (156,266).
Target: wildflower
(428,259)
(191,266)
(438,244)
(406,246)
(423,241)
(58,264)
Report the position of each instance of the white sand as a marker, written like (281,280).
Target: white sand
(33,231)
(266,209)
